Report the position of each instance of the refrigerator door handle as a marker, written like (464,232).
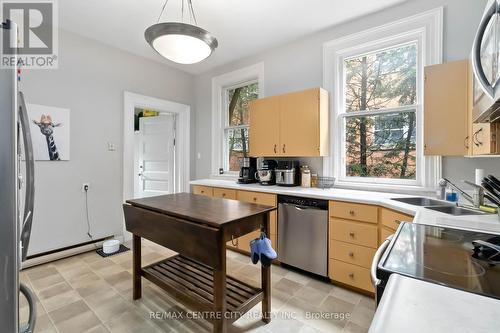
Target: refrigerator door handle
(30,176)
(489,88)
(30,327)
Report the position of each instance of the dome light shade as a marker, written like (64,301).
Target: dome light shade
(181,42)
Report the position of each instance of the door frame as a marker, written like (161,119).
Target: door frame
(182,152)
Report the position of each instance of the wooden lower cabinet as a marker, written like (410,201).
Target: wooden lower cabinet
(353,240)
(353,232)
(352,275)
(353,211)
(224,193)
(384,233)
(392,219)
(203,190)
(352,254)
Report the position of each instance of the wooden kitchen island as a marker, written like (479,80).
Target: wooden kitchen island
(198,227)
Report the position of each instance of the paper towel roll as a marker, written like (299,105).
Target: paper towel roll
(479,176)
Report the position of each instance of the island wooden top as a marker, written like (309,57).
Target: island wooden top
(214,212)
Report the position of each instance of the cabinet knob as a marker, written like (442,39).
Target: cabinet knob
(351,254)
(223,194)
(275,148)
(254,198)
(351,234)
(351,275)
(284,148)
(351,212)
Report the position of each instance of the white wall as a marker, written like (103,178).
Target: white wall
(298,65)
(90,81)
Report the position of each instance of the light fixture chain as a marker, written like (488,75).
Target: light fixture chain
(162,10)
(190,2)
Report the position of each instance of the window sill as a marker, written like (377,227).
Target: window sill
(399,189)
(225,176)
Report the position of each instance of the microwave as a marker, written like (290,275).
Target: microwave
(486,66)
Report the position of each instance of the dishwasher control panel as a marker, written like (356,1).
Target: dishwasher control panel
(306,202)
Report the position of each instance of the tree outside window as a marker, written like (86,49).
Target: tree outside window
(237,123)
(380,113)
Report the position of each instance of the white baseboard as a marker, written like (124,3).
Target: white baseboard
(65,253)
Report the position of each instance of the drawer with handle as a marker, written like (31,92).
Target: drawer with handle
(354,232)
(384,233)
(354,211)
(352,254)
(349,274)
(392,219)
(224,193)
(203,190)
(256,197)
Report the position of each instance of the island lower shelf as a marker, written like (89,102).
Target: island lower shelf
(192,282)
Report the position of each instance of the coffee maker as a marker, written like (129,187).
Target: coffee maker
(288,173)
(248,168)
(265,173)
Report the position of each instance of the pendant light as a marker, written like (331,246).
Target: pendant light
(183,43)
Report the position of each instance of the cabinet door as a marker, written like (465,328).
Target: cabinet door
(300,124)
(264,128)
(446,123)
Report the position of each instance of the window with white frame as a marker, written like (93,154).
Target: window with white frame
(231,94)
(237,119)
(379,113)
(376,79)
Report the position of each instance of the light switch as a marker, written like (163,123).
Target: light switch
(111,146)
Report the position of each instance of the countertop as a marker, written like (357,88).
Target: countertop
(486,223)
(413,306)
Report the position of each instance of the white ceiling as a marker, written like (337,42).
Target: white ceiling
(242,27)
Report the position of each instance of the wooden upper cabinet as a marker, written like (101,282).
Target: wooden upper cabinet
(264,133)
(447,107)
(486,139)
(297,123)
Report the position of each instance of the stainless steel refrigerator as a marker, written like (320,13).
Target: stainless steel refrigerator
(16,194)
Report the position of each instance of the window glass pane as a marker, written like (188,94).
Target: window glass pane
(237,146)
(237,103)
(382,146)
(383,79)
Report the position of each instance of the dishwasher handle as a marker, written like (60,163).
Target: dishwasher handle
(300,207)
(376,260)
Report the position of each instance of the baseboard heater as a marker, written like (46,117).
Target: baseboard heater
(68,251)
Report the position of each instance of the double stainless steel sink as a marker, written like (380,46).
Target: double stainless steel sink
(438,205)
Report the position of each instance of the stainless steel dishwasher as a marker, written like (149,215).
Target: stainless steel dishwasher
(303,233)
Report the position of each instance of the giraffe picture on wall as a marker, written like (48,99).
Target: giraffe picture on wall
(50,132)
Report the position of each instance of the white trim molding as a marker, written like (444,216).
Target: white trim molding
(219,83)
(183,114)
(426,29)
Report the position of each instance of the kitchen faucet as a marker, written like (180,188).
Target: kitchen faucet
(477,199)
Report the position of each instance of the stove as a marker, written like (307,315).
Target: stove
(455,258)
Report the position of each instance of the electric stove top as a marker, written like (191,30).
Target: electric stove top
(455,258)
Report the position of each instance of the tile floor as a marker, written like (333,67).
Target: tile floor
(87,293)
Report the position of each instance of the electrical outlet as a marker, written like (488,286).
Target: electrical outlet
(85,187)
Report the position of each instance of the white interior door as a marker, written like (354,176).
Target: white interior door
(156,156)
